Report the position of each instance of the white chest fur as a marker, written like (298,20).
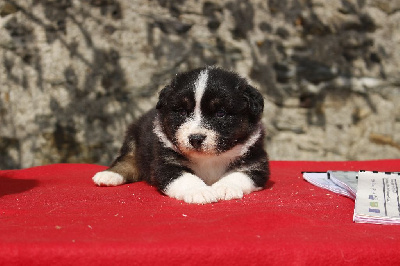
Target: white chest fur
(210,168)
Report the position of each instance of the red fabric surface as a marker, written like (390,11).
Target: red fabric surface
(55,215)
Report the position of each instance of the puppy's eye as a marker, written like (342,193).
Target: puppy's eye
(182,112)
(220,113)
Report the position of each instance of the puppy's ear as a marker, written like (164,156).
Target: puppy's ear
(162,98)
(254,99)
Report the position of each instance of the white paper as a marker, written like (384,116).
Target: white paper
(321,180)
(377,199)
(345,179)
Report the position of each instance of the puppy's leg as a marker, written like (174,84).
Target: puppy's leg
(121,171)
(124,168)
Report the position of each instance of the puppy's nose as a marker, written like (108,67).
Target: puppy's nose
(196,140)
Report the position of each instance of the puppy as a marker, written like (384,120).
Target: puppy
(202,143)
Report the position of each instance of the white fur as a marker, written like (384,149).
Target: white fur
(191,189)
(244,148)
(211,168)
(234,186)
(157,129)
(108,178)
(200,87)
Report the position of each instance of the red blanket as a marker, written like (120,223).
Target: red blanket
(55,215)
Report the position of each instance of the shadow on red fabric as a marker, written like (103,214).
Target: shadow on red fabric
(14,186)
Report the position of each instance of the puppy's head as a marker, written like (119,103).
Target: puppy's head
(208,111)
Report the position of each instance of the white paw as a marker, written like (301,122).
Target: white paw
(108,178)
(228,191)
(234,186)
(201,195)
(191,189)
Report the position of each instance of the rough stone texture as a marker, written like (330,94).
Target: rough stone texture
(74,73)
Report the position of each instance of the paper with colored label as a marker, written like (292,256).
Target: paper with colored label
(377,199)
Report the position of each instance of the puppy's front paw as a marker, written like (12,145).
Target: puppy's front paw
(228,191)
(201,195)
(191,189)
(234,186)
(108,178)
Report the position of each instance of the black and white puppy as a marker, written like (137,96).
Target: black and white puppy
(202,143)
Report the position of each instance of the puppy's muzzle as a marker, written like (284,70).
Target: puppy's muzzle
(196,140)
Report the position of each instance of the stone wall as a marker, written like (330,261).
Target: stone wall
(74,73)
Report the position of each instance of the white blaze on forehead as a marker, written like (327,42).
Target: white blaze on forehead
(200,85)
(193,125)
(199,88)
